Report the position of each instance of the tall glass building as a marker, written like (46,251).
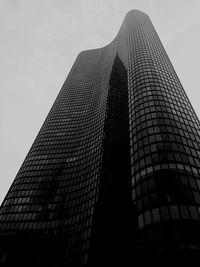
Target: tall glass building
(114,173)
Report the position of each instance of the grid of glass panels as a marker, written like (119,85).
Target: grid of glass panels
(164,140)
(54,199)
(56,188)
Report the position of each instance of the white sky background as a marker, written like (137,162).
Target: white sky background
(39,42)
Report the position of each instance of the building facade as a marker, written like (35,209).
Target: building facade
(115,169)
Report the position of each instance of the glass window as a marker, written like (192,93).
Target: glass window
(151,184)
(197,196)
(174,212)
(140,221)
(147,217)
(184,212)
(198,183)
(194,212)
(155,215)
(164,213)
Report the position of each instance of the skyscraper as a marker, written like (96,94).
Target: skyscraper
(114,172)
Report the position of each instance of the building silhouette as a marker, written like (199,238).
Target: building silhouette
(114,173)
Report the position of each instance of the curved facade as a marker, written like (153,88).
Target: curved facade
(164,141)
(115,169)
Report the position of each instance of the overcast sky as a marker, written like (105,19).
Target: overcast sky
(39,42)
